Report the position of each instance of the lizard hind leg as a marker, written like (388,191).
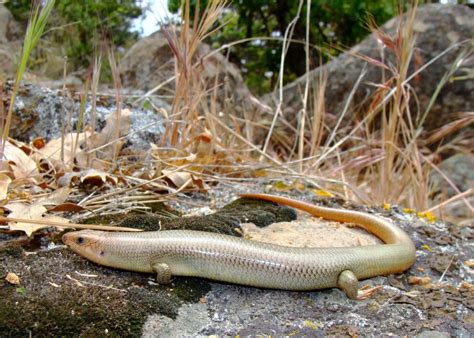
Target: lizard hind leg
(348,282)
(163,273)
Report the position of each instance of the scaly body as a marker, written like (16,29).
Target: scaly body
(237,260)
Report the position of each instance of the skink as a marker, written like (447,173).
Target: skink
(241,261)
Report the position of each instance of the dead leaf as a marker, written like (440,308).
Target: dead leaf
(23,210)
(52,150)
(66,179)
(12,278)
(38,143)
(96,177)
(469,263)
(4,184)
(58,196)
(5,168)
(22,165)
(180,179)
(33,212)
(415,280)
(102,140)
(67,207)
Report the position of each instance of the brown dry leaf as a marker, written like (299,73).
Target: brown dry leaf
(415,280)
(38,143)
(21,164)
(108,134)
(68,178)
(67,207)
(52,150)
(180,179)
(58,196)
(5,181)
(96,177)
(12,278)
(183,180)
(25,211)
(199,182)
(36,211)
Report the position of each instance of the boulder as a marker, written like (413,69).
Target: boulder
(38,112)
(437,27)
(458,169)
(151,62)
(10,30)
(10,40)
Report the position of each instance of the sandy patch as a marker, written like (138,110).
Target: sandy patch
(310,232)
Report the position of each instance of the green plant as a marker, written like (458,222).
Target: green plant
(81,25)
(334,26)
(36,25)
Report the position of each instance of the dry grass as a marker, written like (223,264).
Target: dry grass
(385,164)
(383,158)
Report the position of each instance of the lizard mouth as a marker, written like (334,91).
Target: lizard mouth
(67,238)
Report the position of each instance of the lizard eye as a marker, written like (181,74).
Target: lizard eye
(80,240)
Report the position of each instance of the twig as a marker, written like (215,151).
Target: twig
(452,199)
(285,46)
(447,268)
(81,284)
(68,225)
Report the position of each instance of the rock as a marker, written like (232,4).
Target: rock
(62,294)
(432,334)
(191,319)
(150,62)
(459,170)
(38,110)
(10,34)
(437,28)
(10,30)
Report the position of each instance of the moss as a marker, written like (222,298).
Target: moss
(145,222)
(53,304)
(103,219)
(12,251)
(163,209)
(148,222)
(226,220)
(261,213)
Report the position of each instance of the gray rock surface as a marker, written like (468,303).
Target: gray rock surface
(151,62)
(459,170)
(63,294)
(10,34)
(191,318)
(10,30)
(38,112)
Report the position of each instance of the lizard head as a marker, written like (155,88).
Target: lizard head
(87,243)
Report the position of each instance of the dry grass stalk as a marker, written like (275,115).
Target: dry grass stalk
(118,98)
(190,93)
(286,43)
